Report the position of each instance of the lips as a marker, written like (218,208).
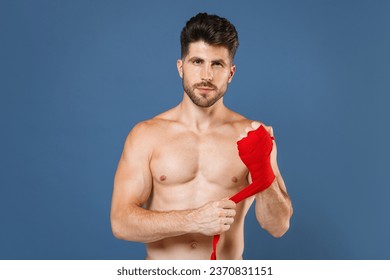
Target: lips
(205,86)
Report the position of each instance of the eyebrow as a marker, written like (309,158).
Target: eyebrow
(196,58)
(221,61)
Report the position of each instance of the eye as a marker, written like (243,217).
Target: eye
(218,64)
(197,61)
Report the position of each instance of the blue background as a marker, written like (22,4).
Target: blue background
(76,76)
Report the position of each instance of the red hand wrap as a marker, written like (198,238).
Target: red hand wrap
(255,151)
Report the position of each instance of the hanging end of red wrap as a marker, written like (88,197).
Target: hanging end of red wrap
(215,242)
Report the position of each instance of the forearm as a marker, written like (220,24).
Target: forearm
(141,225)
(274,208)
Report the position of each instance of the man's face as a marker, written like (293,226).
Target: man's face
(206,71)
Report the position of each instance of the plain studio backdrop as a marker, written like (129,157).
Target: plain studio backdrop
(76,76)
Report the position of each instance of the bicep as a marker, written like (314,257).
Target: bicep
(132,184)
(133,179)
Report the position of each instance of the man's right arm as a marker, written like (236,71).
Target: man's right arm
(132,187)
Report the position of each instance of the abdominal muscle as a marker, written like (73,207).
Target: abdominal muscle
(196,246)
(189,246)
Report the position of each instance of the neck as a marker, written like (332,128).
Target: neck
(199,118)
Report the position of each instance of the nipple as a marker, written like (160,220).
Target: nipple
(163,178)
(234,179)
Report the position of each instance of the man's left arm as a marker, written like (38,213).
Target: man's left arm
(273,205)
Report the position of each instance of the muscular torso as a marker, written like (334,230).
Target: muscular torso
(190,169)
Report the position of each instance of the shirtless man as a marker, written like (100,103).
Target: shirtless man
(178,169)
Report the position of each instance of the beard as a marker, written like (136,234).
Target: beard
(207,99)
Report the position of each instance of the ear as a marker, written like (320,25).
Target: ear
(232,71)
(179,65)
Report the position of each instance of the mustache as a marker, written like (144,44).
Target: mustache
(205,84)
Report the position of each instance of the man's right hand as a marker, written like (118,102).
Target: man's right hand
(214,217)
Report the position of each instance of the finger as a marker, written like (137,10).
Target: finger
(242,135)
(255,125)
(230,213)
(229,204)
(226,204)
(225,228)
(247,129)
(270,130)
(227,221)
(226,213)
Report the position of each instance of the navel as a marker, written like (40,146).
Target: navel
(234,179)
(194,244)
(163,178)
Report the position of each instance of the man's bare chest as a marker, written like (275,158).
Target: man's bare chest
(181,158)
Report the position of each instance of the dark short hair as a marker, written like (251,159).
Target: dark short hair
(212,29)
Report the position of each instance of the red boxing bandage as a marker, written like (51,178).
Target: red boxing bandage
(255,151)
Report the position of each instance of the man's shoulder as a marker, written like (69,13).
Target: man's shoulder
(142,135)
(150,127)
(147,134)
(238,120)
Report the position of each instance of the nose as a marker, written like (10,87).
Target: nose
(207,73)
